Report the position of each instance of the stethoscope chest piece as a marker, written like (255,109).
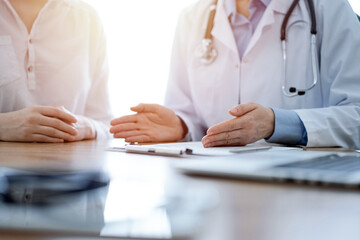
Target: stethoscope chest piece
(206,52)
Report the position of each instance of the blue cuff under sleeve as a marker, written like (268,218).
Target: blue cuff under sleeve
(289,129)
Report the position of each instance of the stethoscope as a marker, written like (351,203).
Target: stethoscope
(207,53)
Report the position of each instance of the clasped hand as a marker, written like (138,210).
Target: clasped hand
(44,124)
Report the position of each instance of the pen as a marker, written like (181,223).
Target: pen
(250,149)
(155,151)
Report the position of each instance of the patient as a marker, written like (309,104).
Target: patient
(53,72)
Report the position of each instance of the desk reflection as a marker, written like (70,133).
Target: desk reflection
(126,208)
(80,213)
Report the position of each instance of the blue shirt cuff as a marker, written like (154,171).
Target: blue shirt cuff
(289,129)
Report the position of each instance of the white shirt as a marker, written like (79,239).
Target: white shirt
(61,62)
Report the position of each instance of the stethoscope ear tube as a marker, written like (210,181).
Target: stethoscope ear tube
(315,68)
(286,20)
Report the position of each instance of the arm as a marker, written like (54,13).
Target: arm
(338,123)
(289,128)
(178,95)
(97,110)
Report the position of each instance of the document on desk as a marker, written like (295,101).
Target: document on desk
(196,148)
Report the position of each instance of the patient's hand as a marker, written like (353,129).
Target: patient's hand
(152,123)
(41,124)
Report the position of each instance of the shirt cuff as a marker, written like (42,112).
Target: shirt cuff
(102,130)
(289,129)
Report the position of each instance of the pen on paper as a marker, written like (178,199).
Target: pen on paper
(250,149)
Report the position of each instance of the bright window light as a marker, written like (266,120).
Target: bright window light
(355,4)
(140,35)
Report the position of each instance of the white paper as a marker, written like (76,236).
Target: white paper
(198,148)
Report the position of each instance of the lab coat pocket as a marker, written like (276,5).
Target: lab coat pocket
(9,66)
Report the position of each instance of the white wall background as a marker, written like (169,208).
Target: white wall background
(140,35)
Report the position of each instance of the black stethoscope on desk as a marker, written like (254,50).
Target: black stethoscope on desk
(207,53)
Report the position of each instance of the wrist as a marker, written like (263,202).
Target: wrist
(91,130)
(184,128)
(5,125)
(1,126)
(271,123)
(86,128)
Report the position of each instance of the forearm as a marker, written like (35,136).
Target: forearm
(4,120)
(289,128)
(332,126)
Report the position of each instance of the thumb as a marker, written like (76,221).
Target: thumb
(145,108)
(242,109)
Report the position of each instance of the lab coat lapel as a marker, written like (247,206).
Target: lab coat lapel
(275,7)
(222,30)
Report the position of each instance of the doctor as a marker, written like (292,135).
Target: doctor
(255,88)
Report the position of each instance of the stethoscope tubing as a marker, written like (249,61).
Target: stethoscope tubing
(208,53)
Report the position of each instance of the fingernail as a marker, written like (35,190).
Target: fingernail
(207,145)
(234,110)
(76,132)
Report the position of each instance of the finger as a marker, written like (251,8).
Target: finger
(58,124)
(148,108)
(47,139)
(67,111)
(242,109)
(56,112)
(139,139)
(227,142)
(222,136)
(124,127)
(54,133)
(227,126)
(124,119)
(128,134)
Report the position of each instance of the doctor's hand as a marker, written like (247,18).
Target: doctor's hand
(253,122)
(38,124)
(151,123)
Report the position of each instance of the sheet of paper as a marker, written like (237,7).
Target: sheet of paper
(198,148)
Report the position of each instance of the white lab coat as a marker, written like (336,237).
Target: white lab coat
(202,95)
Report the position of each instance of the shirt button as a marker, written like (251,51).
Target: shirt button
(30,40)
(236,65)
(30,69)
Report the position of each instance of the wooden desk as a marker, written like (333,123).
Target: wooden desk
(245,210)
